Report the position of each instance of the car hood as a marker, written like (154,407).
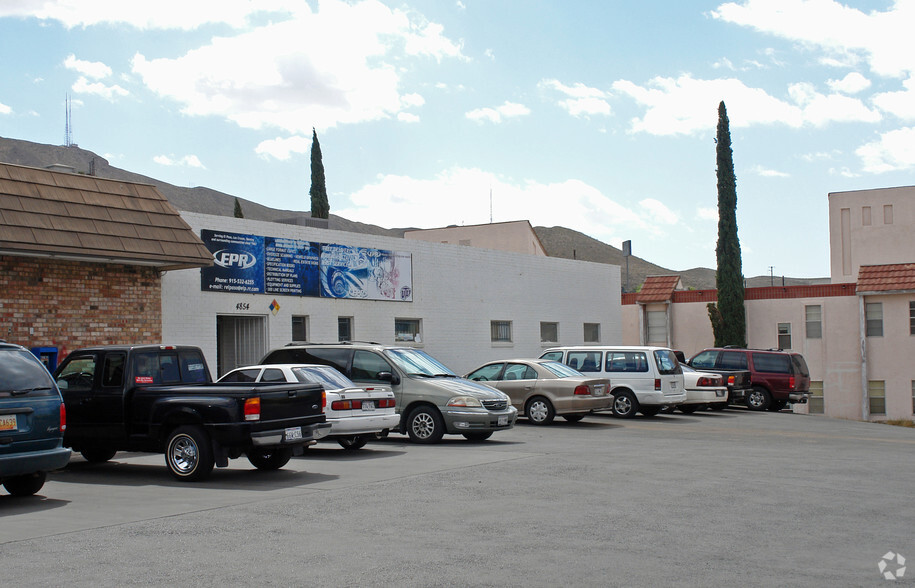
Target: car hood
(462,387)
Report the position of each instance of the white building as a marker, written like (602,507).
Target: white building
(463,305)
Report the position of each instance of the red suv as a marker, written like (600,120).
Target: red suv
(777,377)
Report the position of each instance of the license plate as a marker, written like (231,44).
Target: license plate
(719,393)
(293,433)
(598,390)
(368,405)
(8,422)
(503,420)
(673,385)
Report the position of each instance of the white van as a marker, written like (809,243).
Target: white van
(642,379)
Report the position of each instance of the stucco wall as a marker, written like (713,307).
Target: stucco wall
(457,291)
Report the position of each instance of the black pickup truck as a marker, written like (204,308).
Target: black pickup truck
(160,399)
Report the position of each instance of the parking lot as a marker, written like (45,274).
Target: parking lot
(710,499)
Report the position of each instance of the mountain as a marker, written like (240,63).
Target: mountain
(558,241)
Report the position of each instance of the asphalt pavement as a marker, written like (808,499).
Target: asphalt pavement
(710,499)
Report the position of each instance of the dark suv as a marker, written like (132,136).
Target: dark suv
(32,422)
(777,377)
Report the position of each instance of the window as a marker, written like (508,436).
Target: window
(368,364)
(78,375)
(273,375)
(345,328)
(501,331)
(873,315)
(784,335)
(657,327)
(113,370)
(876,397)
(519,371)
(734,360)
(549,332)
(911,318)
(773,363)
(584,361)
(241,376)
(487,373)
(300,328)
(408,330)
(866,216)
(888,214)
(813,316)
(913,396)
(815,402)
(627,361)
(592,332)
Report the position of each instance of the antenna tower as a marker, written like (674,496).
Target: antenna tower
(68,132)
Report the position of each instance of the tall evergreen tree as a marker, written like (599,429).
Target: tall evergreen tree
(729,321)
(238,212)
(319,205)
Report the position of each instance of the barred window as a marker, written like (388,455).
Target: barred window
(501,331)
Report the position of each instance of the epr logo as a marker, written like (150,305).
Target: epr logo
(234,259)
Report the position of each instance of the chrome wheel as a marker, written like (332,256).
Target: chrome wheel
(183,454)
(188,453)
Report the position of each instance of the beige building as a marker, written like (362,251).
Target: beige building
(857,333)
(514,236)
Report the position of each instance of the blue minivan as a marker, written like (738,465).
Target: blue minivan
(32,422)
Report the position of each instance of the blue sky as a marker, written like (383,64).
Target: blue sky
(595,115)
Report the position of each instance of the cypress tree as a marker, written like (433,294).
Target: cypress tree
(238,212)
(728,320)
(319,205)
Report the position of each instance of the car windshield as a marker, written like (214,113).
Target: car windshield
(21,372)
(561,370)
(328,377)
(418,363)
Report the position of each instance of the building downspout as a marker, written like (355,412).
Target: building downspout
(670,335)
(642,325)
(862,330)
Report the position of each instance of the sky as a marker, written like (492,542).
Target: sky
(596,115)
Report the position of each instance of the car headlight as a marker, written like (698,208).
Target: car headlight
(465,401)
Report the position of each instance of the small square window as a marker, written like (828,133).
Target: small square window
(784,335)
(592,332)
(300,328)
(408,330)
(549,332)
(501,331)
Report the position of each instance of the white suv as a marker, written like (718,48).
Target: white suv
(642,379)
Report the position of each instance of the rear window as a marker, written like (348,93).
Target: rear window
(705,359)
(627,361)
(554,355)
(156,367)
(20,371)
(776,363)
(328,377)
(800,365)
(336,357)
(667,362)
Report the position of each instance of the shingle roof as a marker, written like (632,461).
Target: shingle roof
(50,213)
(657,289)
(897,277)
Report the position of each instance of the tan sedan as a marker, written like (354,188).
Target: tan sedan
(543,388)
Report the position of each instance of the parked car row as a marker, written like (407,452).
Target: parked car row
(159,398)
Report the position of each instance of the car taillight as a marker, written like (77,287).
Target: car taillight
(386,403)
(63,417)
(657,383)
(323,400)
(253,409)
(346,405)
(582,390)
(791,382)
(730,380)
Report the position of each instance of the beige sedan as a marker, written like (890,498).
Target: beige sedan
(543,388)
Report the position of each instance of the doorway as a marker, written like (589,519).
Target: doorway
(240,341)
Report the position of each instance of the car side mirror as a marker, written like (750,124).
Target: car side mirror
(391,377)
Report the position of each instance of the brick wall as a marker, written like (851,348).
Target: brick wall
(71,304)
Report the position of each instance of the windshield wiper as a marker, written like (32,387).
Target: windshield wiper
(422,374)
(444,376)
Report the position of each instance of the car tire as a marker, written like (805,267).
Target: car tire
(539,411)
(425,425)
(478,436)
(688,408)
(758,399)
(188,454)
(25,485)
(352,443)
(573,418)
(777,405)
(625,405)
(97,454)
(270,459)
(650,411)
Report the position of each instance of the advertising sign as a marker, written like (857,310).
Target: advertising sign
(291,267)
(360,272)
(238,262)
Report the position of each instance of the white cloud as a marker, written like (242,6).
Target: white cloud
(90,69)
(581,100)
(462,196)
(900,103)
(894,150)
(845,36)
(499,113)
(84,86)
(850,84)
(407,117)
(186,161)
(820,109)
(162,14)
(705,213)
(318,69)
(768,173)
(282,148)
(686,105)
(4,109)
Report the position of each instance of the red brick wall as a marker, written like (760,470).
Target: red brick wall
(71,304)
